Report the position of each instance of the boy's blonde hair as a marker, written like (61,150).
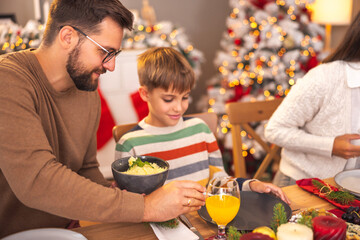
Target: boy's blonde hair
(165,67)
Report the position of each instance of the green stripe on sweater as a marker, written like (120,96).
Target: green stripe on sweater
(138,141)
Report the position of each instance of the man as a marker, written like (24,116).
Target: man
(49,114)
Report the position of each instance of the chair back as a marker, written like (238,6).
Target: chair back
(209,118)
(120,130)
(241,114)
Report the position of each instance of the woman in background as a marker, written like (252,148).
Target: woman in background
(318,123)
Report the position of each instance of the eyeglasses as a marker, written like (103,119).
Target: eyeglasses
(109,55)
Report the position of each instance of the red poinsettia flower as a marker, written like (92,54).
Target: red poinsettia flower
(261,3)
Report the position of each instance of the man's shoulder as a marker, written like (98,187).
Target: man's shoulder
(17,63)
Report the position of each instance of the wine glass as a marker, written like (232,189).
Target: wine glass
(222,202)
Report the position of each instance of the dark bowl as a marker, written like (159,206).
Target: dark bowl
(139,183)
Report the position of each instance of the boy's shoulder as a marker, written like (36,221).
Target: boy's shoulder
(191,121)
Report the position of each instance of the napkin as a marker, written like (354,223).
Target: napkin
(181,232)
(308,186)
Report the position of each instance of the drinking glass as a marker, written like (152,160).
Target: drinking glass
(222,202)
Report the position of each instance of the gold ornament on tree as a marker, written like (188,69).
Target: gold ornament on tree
(289,42)
(148,13)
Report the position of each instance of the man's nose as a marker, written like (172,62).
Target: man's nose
(110,65)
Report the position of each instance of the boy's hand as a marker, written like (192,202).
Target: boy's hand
(261,187)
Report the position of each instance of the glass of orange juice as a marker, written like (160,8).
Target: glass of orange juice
(222,202)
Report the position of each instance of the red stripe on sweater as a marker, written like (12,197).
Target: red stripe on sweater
(184,151)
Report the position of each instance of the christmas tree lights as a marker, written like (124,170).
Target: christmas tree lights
(162,34)
(268,45)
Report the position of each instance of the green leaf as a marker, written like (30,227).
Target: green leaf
(147,163)
(233,233)
(172,223)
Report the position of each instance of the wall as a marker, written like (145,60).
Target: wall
(203,21)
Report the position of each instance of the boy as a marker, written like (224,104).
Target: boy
(166,79)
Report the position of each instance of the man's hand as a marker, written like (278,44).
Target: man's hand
(261,187)
(173,199)
(343,148)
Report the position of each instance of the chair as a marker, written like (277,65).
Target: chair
(240,115)
(209,118)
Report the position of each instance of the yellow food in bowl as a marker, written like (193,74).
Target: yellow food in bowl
(146,168)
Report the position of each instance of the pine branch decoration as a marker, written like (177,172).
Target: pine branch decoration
(172,223)
(279,216)
(342,197)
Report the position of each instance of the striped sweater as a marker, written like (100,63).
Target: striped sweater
(189,147)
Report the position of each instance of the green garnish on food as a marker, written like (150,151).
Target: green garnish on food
(341,197)
(138,162)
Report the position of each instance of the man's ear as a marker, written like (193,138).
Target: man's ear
(68,37)
(144,93)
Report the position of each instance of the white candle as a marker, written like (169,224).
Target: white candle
(46,8)
(37,12)
(294,231)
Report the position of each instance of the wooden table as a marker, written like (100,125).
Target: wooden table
(300,199)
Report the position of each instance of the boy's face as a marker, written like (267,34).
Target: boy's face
(165,107)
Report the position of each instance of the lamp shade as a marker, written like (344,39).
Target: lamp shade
(334,12)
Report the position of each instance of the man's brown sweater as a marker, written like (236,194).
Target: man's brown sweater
(48,167)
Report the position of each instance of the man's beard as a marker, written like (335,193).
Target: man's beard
(81,79)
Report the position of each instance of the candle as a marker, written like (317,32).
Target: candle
(37,13)
(294,231)
(329,228)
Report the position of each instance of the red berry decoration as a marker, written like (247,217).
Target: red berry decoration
(329,228)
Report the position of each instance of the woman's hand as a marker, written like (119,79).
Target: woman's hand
(343,148)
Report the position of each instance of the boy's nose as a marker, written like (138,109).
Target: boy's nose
(177,106)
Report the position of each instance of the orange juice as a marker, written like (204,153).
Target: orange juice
(222,208)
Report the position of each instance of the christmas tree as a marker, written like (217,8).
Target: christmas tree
(269,44)
(147,32)
(14,37)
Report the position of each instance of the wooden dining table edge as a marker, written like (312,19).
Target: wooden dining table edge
(300,200)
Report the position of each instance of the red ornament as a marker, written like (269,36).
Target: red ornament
(261,3)
(239,93)
(311,63)
(329,228)
(230,30)
(259,62)
(307,12)
(237,41)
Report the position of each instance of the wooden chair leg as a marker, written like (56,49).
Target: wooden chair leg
(267,160)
